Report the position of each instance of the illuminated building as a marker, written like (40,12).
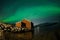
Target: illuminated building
(25,24)
(18,24)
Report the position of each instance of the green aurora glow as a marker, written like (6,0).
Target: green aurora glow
(33,12)
(30,12)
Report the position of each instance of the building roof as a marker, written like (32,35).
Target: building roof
(26,20)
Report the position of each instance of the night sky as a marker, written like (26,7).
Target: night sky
(38,11)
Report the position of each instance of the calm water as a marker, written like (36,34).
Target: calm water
(37,34)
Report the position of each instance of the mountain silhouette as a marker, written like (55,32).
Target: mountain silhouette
(49,26)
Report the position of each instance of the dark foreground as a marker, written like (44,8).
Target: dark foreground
(38,34)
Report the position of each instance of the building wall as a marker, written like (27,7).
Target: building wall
(28,24)
(18,24)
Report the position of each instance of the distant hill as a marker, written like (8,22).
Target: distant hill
(49,26)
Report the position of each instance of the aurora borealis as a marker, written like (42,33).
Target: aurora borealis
(34,10)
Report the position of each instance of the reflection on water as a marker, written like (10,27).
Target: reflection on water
(15,36)
(37,34)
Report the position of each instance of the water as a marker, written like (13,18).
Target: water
(37,34)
